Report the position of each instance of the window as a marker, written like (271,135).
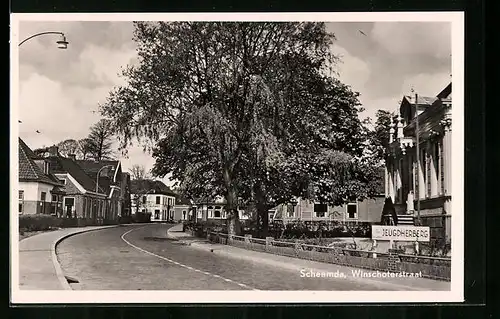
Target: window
(427,160)
(290,210)
(352,211)
(320,210)
(62,180)
(210,212)
(217,214)
(423,164)
(183,214)
(157,213)
(410,173)
(54,198)
(21,201)
(158,199)
(85,207)
(43,196)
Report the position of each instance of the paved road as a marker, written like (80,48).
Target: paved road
(141,258)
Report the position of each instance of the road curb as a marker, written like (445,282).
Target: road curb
(59,272)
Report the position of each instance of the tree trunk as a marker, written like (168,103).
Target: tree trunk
(233,218)
(262,211)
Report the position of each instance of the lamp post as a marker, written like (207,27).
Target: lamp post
(97,186)
(417,138)
(99,172)
(62,43)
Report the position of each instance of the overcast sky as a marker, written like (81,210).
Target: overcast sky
(60,89)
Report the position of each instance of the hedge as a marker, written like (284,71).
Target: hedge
(39,222)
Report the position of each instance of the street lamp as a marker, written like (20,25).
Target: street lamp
(99,172)
(62,43)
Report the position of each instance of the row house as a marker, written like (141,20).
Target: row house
(153,198)
(55,185)
(83,198)
(213,209)
(114,182)
(367,210)
(183,208)
(40,192)
(420,184)
(361,210)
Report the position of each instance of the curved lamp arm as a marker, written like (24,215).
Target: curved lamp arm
(98,173)
(62,43)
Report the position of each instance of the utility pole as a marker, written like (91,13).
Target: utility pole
(418,158)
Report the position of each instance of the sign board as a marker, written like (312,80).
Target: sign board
(401,233)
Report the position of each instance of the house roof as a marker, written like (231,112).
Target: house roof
(106,176)
(445,92)
(422,100)
(92,167)
(150,186)
(63,165)
(29,170)
(179,200)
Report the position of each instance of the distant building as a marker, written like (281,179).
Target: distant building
(365,210)
(183,209)
(113,181)
(213,209)
(82,198)
(40,192)
(368,210)
(152,197)
(431,182)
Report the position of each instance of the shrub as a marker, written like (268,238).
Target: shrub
(38,222)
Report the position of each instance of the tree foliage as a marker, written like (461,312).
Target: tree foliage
(138,172)
(245,110)
(99,143)
(68,147)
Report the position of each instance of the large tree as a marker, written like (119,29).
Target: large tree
(138,172)
(99,143)
(139,175)
(246,110)
(67,147)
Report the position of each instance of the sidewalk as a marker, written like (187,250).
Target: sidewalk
(296,264)
(38,265)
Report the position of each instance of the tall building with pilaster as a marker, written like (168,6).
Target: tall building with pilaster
(420,184)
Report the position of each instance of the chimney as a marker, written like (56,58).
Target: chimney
(72,156)
(53,151)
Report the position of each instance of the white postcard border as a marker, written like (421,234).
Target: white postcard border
(143,297)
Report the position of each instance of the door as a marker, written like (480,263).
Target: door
(68,204)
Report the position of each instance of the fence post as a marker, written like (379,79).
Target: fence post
(374,249)
(268,242)
(393,260)
(248,240)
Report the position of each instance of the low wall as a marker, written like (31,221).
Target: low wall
(430,267)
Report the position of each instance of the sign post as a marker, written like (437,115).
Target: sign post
(414,234)
(401,233)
